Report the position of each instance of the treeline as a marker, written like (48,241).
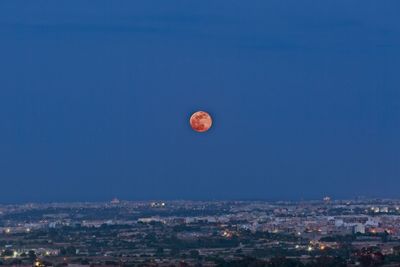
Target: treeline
(285,262)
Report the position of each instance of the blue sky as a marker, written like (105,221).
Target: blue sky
(95,98)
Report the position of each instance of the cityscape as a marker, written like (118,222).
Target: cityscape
(175,133)
(360,232)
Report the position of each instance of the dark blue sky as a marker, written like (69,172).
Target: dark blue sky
(95,98)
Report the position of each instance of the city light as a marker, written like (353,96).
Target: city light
(219,226)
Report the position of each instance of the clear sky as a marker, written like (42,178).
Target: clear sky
(95,98)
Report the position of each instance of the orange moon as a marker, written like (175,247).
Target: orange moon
(201,121)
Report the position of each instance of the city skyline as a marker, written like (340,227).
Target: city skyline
(326,233)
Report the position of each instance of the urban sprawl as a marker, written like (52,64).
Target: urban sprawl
(361,232)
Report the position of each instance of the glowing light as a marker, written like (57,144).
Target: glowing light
(201,121)
(227,234)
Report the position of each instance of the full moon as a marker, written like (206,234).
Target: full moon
(201,121)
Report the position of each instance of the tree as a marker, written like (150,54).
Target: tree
(159,251)
(7,253)
(328,262)
(284,262)
(32,255)
(175,251)
(194,254)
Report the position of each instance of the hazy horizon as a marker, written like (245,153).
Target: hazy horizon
(271,200)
